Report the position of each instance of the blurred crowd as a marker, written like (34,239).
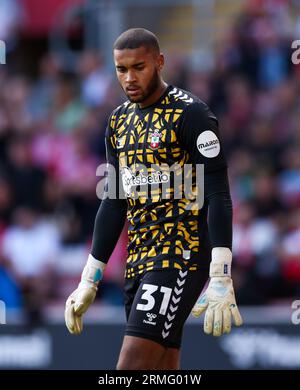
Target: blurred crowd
(52,140)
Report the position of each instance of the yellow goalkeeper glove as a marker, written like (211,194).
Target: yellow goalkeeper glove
(80,299)
(219,300)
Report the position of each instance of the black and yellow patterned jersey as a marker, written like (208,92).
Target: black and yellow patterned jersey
(151,147)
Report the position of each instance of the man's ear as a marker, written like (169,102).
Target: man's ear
(160,61)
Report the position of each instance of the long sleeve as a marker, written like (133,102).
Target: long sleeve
(217,194)
(199,133)
(111,215)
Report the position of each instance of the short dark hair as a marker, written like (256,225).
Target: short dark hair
(135,38)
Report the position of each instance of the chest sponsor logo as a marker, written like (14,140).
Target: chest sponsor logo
(131,180)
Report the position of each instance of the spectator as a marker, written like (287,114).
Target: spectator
(31,246)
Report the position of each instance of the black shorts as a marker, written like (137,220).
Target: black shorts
(158,302)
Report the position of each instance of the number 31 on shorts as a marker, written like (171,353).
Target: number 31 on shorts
(150,300)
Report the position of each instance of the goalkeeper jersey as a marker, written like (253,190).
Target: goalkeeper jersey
(154,151)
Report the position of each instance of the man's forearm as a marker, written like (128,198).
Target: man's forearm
(220,208)
(109,223)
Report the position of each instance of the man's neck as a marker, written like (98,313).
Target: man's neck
(155,96)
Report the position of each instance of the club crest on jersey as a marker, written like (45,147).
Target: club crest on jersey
(155,139)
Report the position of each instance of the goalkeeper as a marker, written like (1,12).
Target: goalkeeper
(173,247)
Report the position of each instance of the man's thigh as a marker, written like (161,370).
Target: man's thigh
(159,304)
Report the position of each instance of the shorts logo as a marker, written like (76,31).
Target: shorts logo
(208,144)
(150,318)
(155,139)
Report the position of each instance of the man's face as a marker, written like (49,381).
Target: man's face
(138,72)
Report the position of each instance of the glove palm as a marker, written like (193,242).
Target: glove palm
(219,302)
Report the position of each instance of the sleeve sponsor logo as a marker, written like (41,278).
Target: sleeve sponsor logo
(208,144)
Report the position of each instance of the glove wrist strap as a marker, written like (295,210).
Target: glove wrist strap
(92,273)
(221,262)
